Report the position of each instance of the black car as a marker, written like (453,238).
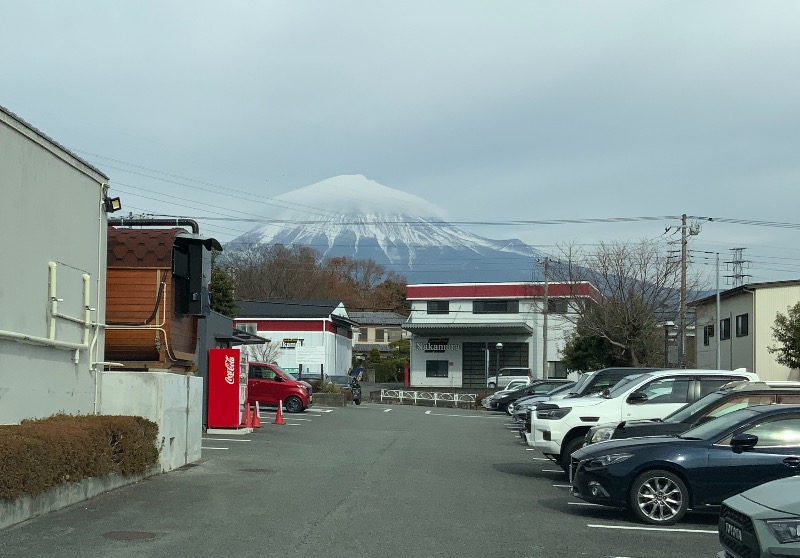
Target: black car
(535,387)
(349,385)
(735,395)
(660,478)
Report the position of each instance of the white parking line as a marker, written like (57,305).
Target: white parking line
(459,416)
(563,485)
(585,504)
(225,440)
(539,459)
(386,410)
(552,470)
(292,418)
(209,447)
(626,528)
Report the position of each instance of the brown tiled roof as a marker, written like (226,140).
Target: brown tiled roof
(141,247)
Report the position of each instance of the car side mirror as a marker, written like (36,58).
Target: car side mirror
(279,378)
(743,442)
(637,397)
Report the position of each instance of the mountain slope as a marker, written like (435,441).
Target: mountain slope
(353,216)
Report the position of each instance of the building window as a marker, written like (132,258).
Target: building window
(436,369)
(394,334)
(557,369)
(557,306)
(724,329)
(379,336)
(438,307)
(495,306)
(708,333)
(741,325)
(249,328)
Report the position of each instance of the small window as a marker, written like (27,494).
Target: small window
(741,325)
(557,305)
(708,333)
(557,369)
(436,369)
(438,307)
(725,329)
(495,307)
(380,336)
(782,432)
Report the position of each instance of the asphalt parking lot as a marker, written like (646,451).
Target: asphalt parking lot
(369,480)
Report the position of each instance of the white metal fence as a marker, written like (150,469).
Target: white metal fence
(424,397)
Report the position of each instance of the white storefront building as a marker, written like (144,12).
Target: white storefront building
(464,332)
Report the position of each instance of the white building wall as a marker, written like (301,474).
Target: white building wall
(559,328)
(172,401)
(50,212)
(770,302)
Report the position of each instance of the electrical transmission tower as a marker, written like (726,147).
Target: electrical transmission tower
(737,266)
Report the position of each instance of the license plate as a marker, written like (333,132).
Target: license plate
(733,531)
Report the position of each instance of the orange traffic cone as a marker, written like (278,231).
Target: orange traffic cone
(256,419)
(247,420)
(279,414)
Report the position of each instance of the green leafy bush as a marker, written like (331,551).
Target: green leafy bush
(38,455)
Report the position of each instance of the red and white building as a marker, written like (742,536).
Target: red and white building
(464,332)
(312,335)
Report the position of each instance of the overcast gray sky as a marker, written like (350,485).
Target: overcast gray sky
(493,110)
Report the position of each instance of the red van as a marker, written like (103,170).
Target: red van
(268,384)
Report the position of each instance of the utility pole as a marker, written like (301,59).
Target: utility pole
(682,310)
(544,321)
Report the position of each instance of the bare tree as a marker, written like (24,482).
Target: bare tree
(265,352)
(639,285)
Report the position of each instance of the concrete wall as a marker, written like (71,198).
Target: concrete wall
(50,212)
(173,401)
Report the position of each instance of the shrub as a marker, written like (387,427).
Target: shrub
(38,455)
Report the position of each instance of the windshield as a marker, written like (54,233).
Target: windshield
(624,385)
(560,389)
(581,382)
(718,426)
(684,413)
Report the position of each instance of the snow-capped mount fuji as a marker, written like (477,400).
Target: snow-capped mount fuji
(353,216)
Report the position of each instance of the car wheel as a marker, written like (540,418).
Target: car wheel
(566,454)
(293,405)
(492,385)
(659,497)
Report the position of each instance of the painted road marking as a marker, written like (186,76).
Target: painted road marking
(225,440)
(623,527)
(552,470)
(585,504)
(386,410)
(292,418)
(563,485)
(540,459)
(460,416)
(208,447)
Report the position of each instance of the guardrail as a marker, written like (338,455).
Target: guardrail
(425,397)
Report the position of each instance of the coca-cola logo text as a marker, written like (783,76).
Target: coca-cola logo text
(230,366)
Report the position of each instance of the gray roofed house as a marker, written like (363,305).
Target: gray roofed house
(289,308)
(376,330)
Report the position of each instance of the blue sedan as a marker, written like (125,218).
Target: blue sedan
(660,478)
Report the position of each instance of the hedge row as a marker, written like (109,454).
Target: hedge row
(38,455)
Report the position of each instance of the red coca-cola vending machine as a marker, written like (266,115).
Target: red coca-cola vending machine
(227,387)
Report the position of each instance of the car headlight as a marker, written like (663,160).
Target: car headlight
(553,414)
(606,460)
(785,530)
(602,433)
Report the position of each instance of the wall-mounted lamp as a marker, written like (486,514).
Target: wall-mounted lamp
(112,204)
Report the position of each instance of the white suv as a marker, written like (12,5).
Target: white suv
(558,428)
(505,375)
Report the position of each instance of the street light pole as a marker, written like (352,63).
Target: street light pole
(499,348)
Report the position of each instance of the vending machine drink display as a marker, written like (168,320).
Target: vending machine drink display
(227,387)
